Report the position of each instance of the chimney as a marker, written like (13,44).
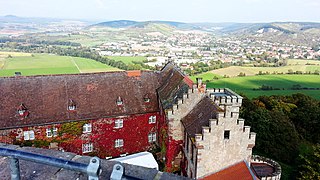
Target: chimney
(199,82)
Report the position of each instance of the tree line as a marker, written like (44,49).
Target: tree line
(33,41)
(288,130)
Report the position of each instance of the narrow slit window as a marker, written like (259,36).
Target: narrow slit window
(226,134)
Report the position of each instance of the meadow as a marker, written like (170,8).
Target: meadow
(293,64)
(246,85)
(39,64)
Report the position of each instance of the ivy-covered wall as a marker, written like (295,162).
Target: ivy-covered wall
(70,136)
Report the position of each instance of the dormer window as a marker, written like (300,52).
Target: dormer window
(72,108)
(146,99)
(22,111)
(119,101)
(71,105)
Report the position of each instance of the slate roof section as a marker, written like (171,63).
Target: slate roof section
(47,97)
(200,115)
(239,171)
(172,85)
(171,77)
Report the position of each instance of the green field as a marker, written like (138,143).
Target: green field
(293,64)
(208,76)
(245,85)
(39,64)
(127,59)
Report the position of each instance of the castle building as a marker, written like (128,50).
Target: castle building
(117,113)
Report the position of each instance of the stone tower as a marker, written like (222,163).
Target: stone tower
(205,125)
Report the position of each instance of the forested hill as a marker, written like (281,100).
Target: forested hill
(288,130)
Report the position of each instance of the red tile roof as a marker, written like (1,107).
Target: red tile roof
(239,171)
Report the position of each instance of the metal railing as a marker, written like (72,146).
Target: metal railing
(92,169)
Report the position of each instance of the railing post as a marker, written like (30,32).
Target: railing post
(14,168)
(117,172)
(93,169)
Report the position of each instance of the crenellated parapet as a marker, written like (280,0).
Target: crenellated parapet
(265,168)
(207,122)
(224,96)
(180,110)
(230,142)
(223,139)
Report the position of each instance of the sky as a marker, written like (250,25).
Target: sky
(171,10)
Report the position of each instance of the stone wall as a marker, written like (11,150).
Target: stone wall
(276,175)
(215,151)
(180,110)
(175,127)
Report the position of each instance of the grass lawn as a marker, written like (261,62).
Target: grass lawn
(89,65)
(206,76)
(293,64)
(127,59)
(245,85)
(41,64)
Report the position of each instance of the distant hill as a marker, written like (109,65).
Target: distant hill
(139,24)
(303,33)
(285,27)
(17,19)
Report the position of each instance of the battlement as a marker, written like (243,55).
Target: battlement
(224,96)
(179,110)
(252,138)
(265,168)
(222,136)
